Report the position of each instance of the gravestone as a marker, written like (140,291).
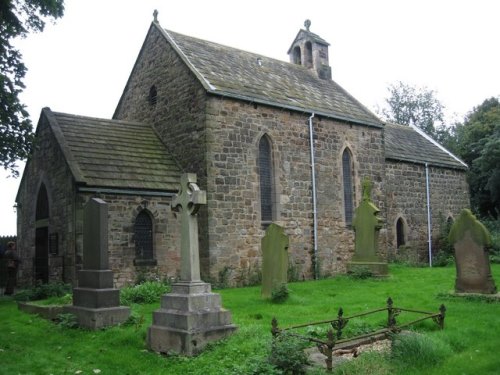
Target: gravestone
(274,259)
(471,240)
(96,304)
(366,225)
(191,315)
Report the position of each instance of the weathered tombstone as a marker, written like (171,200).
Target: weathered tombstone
(274,259)
(471,240)
(96,303)
(191,315)
(367,225)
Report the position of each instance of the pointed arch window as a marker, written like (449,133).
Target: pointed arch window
(153,95)
(143,236)
(348,186)
(400,233)
(42,203)
(266,177)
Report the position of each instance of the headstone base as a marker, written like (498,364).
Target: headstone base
(96,304)
(380,269)
(483,286)
(189,318)
(98,318)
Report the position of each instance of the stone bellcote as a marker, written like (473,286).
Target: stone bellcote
(311,51)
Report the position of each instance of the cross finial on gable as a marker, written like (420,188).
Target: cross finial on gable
(155,16)
(307,24)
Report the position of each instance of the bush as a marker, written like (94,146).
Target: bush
(287,354)
(413,350)
(145,293)
(43,291)
(280,294)
(67,321)
(360,272)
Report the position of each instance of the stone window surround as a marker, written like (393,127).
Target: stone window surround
(400,218)
(148,261)
(353,181)
(274,180)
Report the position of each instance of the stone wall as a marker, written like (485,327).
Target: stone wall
(407,198)
(122,212)
(47,165)
(234,129)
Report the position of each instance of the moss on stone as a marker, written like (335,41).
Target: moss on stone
(468,222)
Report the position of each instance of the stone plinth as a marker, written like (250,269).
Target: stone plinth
(189,317)
(96,304)
(380,269)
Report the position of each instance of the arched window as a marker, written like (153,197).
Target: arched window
(143,236)
(42,203)
(153,96)
(347,179)
(308,55)
(296,56)
(266,178)
(400,233)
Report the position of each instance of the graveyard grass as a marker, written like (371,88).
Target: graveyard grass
(471,338)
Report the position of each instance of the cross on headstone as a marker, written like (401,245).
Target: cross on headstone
(187,202)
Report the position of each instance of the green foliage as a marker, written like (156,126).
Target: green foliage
(373,363)
(67,321)
(287,354)
(67,299)
(58,351)
(249,276)
(293,273)
(224,278)
(257,366)
(280,294)
(410,105)
(360,272)
(44,291)
(443,248)
(136,320)
(416,351)
(145,293)
(478,144)
(17,19)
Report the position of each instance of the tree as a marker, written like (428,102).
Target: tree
(408,104)
(17,19)
(478,144)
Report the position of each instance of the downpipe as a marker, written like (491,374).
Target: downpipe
(313,178)
(429,223)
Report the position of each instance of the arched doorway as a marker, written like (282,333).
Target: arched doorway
(41,262)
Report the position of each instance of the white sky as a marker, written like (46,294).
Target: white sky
(80,65)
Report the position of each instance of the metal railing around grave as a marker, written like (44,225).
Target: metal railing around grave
(334,335)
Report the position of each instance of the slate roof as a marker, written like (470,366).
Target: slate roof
(114,154)
(244,75)
(411,144)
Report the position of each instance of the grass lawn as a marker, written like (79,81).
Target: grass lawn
(31,345)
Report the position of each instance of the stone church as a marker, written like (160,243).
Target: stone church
(269,141)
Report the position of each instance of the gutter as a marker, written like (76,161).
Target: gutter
(150,193)
(313,179)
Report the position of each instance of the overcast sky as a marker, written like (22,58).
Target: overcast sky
(80,65)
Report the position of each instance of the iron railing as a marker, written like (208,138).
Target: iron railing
(334,335)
